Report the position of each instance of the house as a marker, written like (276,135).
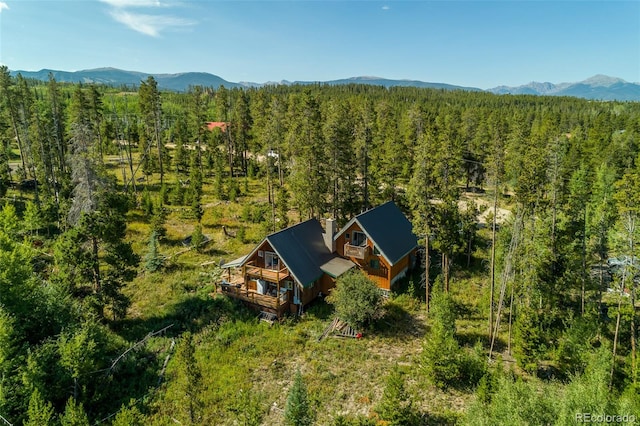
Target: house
(217,125)
(381,242)
(291,267)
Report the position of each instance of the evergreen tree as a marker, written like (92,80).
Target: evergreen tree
(74,414)
(40,412)
(395,408)
(298,410)
(151,109)
(129,415)
(441,353)
(189,380)
(153,260)
(32,220)
(197,238)
(9,221)
(308,178)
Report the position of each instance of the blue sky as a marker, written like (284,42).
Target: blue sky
(469,43)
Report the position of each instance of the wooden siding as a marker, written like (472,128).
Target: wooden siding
(327,283)
(399,267)
(380,276)
(310,293)
(259,261)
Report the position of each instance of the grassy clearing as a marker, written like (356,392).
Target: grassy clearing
(249,364)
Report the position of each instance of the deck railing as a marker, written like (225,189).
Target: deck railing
(238,291)
(357,252)
(266,274)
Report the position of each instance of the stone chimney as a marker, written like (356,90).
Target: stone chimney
(329,233)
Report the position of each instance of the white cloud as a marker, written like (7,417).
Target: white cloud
(3,6)
(150,25)
(133,3)
(385,7)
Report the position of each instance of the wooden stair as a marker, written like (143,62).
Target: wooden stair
(269,317)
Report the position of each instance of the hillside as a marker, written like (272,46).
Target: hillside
(119,209)
(599,87)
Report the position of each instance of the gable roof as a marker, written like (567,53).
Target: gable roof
(389,229)
(302,249)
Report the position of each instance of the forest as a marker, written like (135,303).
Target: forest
(118,204)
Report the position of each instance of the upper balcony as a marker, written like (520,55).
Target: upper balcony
(357,252)
(271,275)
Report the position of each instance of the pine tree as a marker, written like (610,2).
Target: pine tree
(153,260)
(32,220)
(197,238)
(9,221)
(74,414)
(305,148)
(129,415)
(151,109)
(441,353)
(189,379)
(40,412)
(395,408)
(298,411)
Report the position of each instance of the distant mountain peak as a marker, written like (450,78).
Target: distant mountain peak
(601,80)
(598,87)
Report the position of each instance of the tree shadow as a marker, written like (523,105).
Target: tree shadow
(398,322)
(193,313)
(319,309)
(470,338)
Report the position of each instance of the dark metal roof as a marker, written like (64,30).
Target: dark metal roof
(302,249)
(390,230)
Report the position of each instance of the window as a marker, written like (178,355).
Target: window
(260,253)
(347,236)
(375,250)
(374,263)
(271,261)
(358,239)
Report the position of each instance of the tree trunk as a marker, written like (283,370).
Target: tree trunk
(493,263)
(96,265)
(615,343)
(584,259)
(426,269)
(159,144)
(510,321)
(445,271)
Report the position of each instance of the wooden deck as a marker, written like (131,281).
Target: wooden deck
(266,274)
(276,305)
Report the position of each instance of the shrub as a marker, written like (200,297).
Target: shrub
(357,299)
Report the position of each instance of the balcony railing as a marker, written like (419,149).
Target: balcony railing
(266,274)
(278,304)
(357,252)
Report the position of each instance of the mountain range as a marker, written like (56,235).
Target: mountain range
(599,87)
